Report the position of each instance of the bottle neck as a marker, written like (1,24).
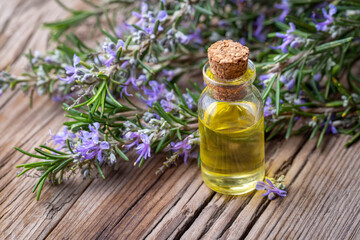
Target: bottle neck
(231,94)
(229,89)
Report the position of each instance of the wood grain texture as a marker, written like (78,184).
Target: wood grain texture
(20,216)
(132,203)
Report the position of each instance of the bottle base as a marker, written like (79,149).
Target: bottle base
(232,184)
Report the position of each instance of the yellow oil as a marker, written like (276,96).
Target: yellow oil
(232,147)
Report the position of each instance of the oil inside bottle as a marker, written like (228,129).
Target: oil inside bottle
(232,147)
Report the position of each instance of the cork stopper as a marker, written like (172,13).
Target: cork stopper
(228,59)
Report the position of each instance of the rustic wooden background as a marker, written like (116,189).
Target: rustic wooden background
(323,184)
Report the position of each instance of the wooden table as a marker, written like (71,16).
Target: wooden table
(132,203)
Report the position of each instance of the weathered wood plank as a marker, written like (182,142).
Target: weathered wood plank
(106,202)
(249,215)
(21,28)
(158,200)
(180,216)
(323,201)
(21,217)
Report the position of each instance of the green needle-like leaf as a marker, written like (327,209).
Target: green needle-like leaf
(41,185)
(30,154)
(333,44)
(277,97)
(99,169)
(313,133)
(162,144)
(98,93)
(52,156)
(62,165)
(157,107)
(43,178)
(353,139)
(203,10)
(290,126)
(53,150)
(323,131)
(24,171)
(275,132)
(268,87)
(121,153)
(122,107)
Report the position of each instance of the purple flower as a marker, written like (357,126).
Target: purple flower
(125,90)
(143,149)
(317,77)
(72,71)
(189,100)
(183,38)
(112,49)
(264,78)
(285,6)
(323,26)
(223,23)
(156,91)
(167,103)
(138,81)
(146,19)
(242,41)
(131,136)
(90,145)
(121,28)
(259,33)
(288,39)
(162,15)
(135,83)
(167,74)
(195,36)
(103,146)
(331,128)
(300,100)
(48,59)
(271,190)
(143,12)
(268,108)
(59,98)
(289,83)
(94,128)
(61,137)
(1,92)
(183,146)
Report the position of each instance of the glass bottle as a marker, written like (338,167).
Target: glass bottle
(231,125)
